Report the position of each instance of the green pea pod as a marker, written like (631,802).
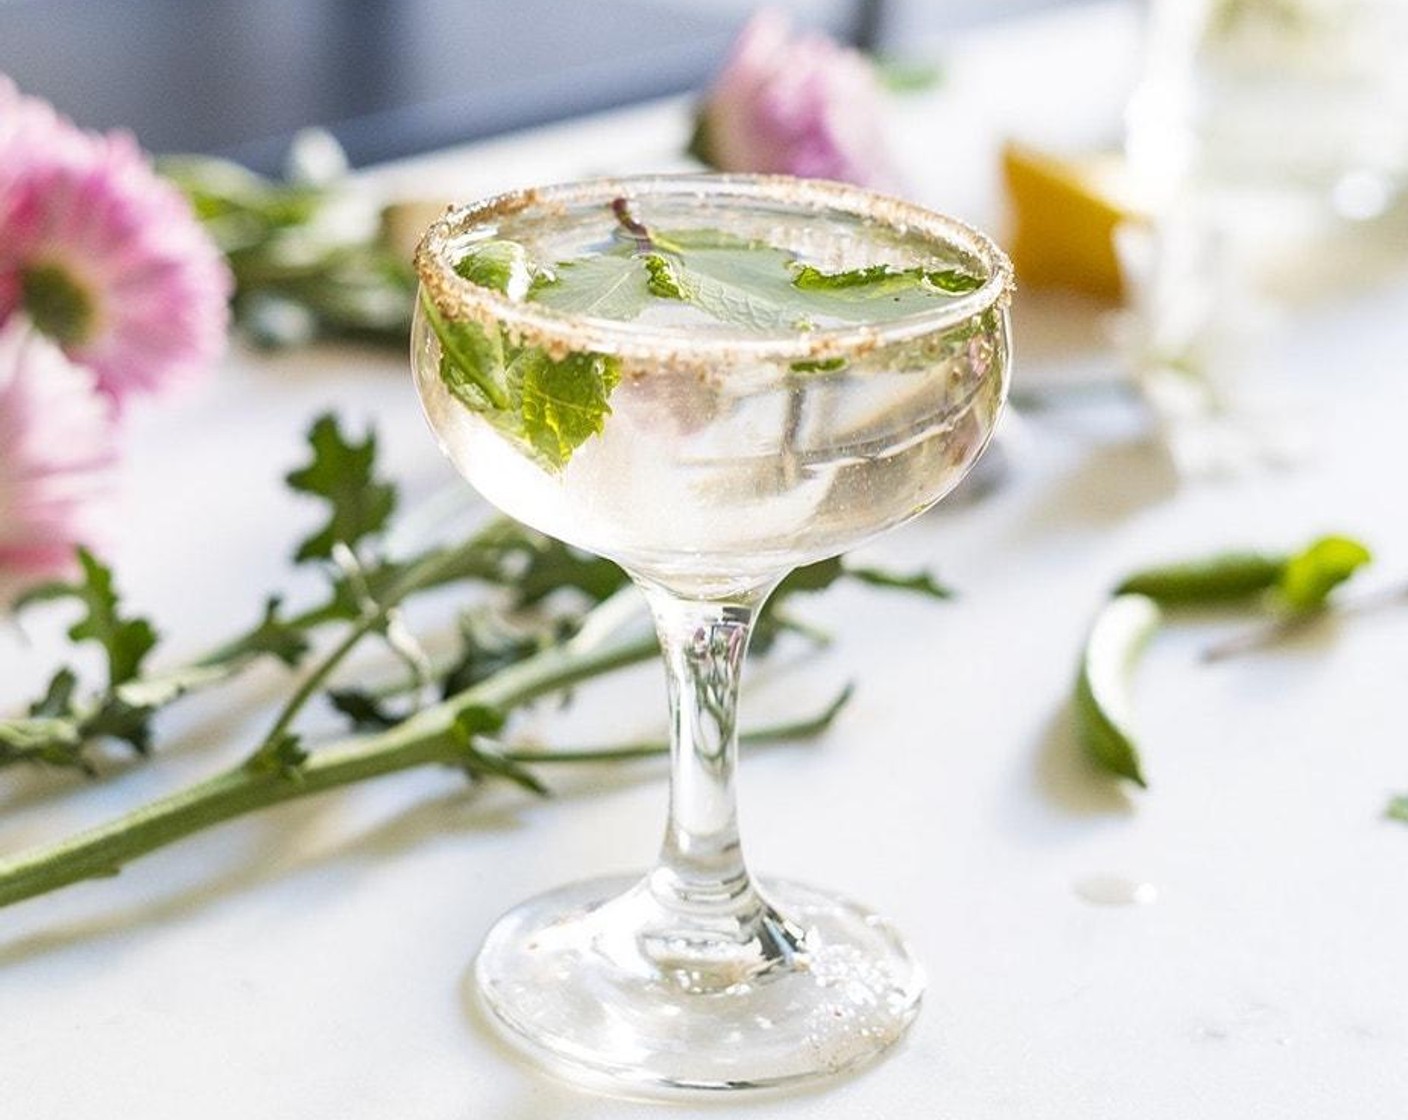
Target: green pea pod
(1224,578)
(1102,702)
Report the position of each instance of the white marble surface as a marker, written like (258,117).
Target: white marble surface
(311,962)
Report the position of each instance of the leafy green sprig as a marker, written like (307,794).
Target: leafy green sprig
(302,269)
(552,623)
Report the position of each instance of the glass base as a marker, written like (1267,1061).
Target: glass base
(607,986)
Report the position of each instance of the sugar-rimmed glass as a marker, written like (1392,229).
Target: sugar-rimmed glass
(727,456)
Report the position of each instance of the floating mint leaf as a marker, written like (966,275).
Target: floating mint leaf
(1312,574)
(880,280)
(662,281)
(605,287)
(501,265)
(1226,577)
(739,283)
(341,473)
(1102,704)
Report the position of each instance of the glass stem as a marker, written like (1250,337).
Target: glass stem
(701,879)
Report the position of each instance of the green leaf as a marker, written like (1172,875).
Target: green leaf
(365,711)
(275,636)
(500,265)
(563,403)
(1224,578)
(481,761)
(922,582)
(609,286)
(881,282)
(472,362)
(1312,574)
(126,641)
(1397,809)
(283,755)
(553,566)
(118,719)
(343,474)
(46,739)
(57,700)
(743,285)
(1102,702)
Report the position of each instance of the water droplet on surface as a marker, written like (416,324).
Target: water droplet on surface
(1115,890)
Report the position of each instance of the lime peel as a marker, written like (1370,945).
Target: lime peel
(1103,704)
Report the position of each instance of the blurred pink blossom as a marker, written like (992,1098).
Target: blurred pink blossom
(56,453)
(802,105)
(103,255)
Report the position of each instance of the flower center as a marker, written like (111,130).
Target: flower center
(58,305)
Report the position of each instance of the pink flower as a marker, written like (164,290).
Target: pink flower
(103,255)
(799,106)
(56,449)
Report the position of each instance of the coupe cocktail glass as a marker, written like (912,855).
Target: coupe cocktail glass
(727,449)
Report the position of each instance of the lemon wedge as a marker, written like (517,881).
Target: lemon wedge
(1063,214)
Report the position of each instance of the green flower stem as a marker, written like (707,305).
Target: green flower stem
(426,738)
(423,573)
(472,559)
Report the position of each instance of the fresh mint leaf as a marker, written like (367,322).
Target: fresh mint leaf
(343,474)
(1227,577)
(1313,573)
(471,363)
(501,265)
(742,284)
(609,286)
(662,282)
(562,403)
(126,641)
(880,291)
